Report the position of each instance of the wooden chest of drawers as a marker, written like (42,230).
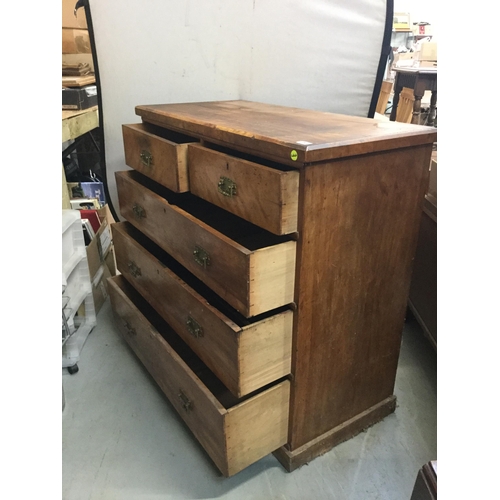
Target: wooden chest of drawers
(266,260)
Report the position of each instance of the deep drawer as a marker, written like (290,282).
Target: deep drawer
(244,354)
(234,432)
(250,268)
(264,195)
(158,153)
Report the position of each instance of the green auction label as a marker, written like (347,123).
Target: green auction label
(294,155)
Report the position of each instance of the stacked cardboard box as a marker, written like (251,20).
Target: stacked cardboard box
(76,46)
(101,257)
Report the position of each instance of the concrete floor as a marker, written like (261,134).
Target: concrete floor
(121,438)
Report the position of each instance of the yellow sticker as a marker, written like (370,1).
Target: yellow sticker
(294,155)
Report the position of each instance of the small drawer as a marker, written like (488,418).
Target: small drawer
(244,354)
(234,432)
(250,268)
(158,153)
(263,193)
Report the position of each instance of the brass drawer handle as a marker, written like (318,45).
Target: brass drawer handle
(186,403)
(129,328)
(146,158)
(226,186)
(194,328)
(201,256)
(139,211)
(134,269)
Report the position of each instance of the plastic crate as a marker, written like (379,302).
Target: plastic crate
(76,288)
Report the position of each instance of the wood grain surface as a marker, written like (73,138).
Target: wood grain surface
(180,233)
(267,197)
(292,136)
(168,155)
(358,226)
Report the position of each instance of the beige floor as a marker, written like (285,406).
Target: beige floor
(122,439)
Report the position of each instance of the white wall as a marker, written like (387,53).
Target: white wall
(317,54)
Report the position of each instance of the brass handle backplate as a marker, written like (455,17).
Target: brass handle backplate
(226,186)
(201,256)
(186,403)
(194,328)
(146,158)
(135,271)
(139,211)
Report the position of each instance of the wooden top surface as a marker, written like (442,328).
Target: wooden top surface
(292,136)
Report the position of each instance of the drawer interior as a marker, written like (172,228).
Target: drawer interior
(164,133)
(206,292)
(245,233)
(207,377)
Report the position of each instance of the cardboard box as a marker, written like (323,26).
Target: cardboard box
(79,98)
(110,261)
(84,203)
(422,29)
(404,59)
(98,248)
(428,51)
(401,21)
(105,214)
(75,41)
(69,20)
(69,59)
(100,287)
(102,245)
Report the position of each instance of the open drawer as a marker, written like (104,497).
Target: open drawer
(250,268)
(245,354)
(158,153)
(234,432)
(260,191)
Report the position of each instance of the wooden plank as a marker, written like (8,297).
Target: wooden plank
(66,204)
(292,460)
(77,123)
(359,228)
(168,159)
(265,196)
(272,277)
(291,136)
(78,81)
(257,427)
(265,351)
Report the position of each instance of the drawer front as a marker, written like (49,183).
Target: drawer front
(265,196)
(262,420)
(252,282)
(162,160)
(244,358)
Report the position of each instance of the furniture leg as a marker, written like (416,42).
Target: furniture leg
(395,99)
(432,110)
(418,92)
